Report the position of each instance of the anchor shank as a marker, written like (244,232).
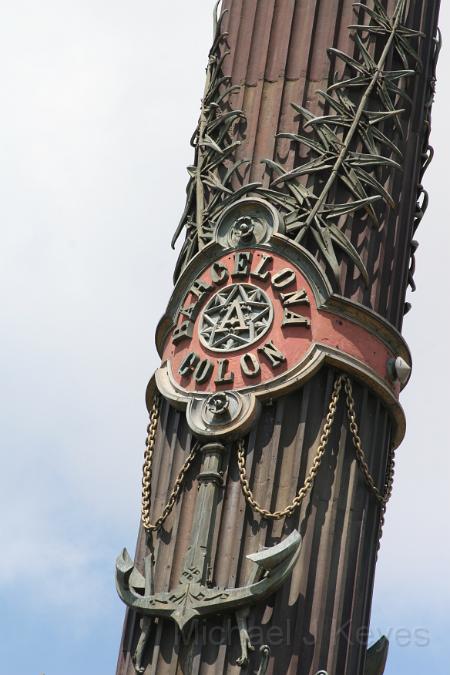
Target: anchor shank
(198,557)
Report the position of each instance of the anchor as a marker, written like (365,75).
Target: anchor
(193,596)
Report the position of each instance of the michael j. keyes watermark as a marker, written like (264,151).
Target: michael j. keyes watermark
(286,634)
(400,636)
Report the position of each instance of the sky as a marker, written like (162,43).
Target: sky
(94,141)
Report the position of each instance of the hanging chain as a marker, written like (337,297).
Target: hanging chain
(289,510)
(384,497)
(147,474)
(321,448)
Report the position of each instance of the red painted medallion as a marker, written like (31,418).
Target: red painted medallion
(250,317)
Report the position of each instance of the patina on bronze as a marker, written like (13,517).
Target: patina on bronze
(275,413)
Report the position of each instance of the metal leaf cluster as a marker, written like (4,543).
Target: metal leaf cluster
(353,148)
(427,154)
(209,189)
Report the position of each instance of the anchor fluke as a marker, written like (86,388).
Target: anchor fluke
(124,568)
(192,596)
(269,558)
(189,600)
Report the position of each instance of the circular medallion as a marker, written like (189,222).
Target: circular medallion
(235,317)
(253,316)
(250,221)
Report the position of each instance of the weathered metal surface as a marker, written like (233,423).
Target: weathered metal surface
(278,55)
(292,71)
(377,657)
(195,595)
(331,584)
(269,308)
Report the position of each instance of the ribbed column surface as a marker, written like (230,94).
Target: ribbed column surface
(278,55)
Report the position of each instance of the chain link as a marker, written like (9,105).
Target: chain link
(289,510)
(321,448)
(384,497)
(147,474)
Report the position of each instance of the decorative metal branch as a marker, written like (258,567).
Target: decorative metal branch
(353,145)
(427,157)
(209,188)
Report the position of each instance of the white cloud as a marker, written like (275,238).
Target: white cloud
(86,202)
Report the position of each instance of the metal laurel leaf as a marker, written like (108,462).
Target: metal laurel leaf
(337,210)
(354,144)
(341,241)
(215,140)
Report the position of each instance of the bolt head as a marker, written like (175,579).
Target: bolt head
(244,227)
(218,404)
(399,370)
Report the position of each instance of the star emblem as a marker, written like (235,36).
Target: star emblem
(235,317)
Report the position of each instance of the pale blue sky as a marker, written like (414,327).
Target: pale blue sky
(94,141)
